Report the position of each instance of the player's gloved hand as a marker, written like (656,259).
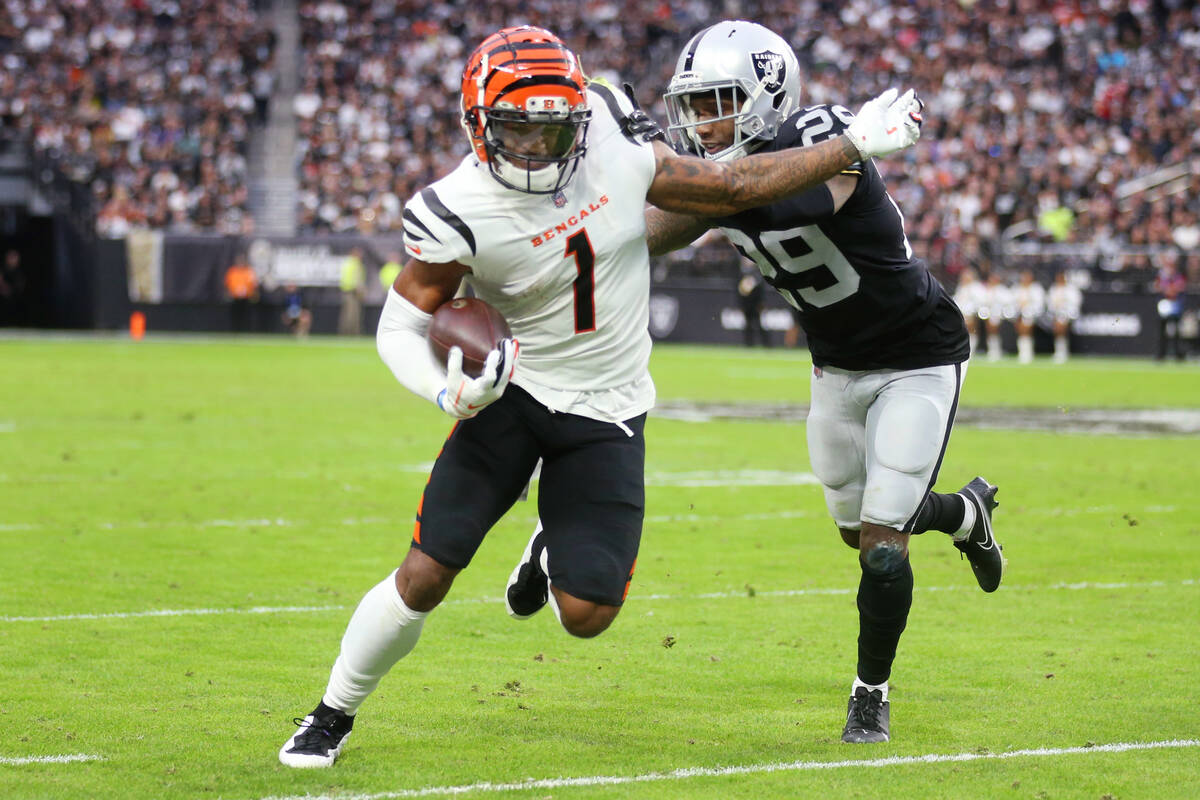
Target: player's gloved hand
(465,396)
(887,124)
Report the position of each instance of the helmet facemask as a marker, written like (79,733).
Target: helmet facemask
(723,102)
(535,151)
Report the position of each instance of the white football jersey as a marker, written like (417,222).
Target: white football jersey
(570,272)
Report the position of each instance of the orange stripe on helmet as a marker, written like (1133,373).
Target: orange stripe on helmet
(513,65)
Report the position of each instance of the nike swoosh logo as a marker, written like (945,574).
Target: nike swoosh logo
(415,249)
(989,541)
(890,131)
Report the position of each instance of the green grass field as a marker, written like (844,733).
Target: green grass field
(186,526)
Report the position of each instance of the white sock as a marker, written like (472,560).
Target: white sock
(994,348)
(882,687)
(968,520)
(382,631)
(1060,348)
(974,340)
(1025,348)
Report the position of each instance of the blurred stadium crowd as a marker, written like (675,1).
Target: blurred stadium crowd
(150,102)
(1038,110)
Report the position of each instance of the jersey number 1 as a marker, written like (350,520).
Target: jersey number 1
(584,285)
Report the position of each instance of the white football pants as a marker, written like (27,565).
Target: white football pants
(876,439)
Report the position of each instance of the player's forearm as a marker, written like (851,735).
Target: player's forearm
(713,189)
(666,231)
(401,343)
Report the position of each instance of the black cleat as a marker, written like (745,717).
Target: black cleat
(528,587)
(867,717)
(980,545)
(319,740)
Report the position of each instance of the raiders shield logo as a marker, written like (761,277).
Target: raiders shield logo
(769,68)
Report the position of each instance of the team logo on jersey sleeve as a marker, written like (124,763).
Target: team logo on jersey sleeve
(770,69)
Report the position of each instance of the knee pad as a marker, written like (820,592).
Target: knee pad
(884,559)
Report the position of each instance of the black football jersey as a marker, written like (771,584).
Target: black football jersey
(865,301)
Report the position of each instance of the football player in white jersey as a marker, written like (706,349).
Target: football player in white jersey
(1063,304)
(889,346)
(1029,302)
(545,221)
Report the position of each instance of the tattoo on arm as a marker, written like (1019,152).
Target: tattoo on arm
(695,186)
(666,231)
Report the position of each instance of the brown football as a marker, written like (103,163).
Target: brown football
(471,325)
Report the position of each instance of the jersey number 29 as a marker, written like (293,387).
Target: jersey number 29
(802,263)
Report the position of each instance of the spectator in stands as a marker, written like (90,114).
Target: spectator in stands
(1063,103)
(241,289)
(353,284)
(119,215)
(1170,285)
(1063,305)
(120,94)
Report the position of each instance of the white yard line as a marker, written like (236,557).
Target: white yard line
(744,594)
(747,769)
(694,480)
(11,761)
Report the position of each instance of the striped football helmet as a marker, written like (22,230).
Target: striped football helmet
(524,105)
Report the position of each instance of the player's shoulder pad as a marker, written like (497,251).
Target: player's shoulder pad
(635,124)
(431,226)
(816,123)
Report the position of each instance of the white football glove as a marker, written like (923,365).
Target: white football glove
(885,124)
(465,396)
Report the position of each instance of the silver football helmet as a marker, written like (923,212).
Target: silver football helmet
(753,75)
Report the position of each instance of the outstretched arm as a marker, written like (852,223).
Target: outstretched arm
(712,189)
(696,186)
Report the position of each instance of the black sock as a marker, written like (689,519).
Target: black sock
(939,512)
(883,602)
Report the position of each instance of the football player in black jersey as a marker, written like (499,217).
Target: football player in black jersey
(889,347)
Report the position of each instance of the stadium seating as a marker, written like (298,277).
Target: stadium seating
(1049,122)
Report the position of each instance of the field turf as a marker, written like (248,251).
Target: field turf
(187,524)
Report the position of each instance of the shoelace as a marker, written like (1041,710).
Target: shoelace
(865,709)
(315,735)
